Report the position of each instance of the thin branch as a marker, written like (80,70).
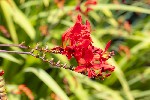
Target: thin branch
(51,62)
(17,52)
(14,45)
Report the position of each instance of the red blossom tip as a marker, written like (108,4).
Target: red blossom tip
(79,18)
(90,2)
(78,8)
(88,25)
(1,73)
(108,45)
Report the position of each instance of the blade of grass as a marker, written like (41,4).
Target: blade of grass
(10,57)
(7,13)
(23,22)
(49,81)
(99,87)
(118,73)
(123,63)
(138,78)
(30,4)
(46,3)
(111,20)
(115,32)
(121,7)
(141,94)
(75,86)
(135,50)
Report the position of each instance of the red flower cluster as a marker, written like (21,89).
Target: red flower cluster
(91,61)
(87,4)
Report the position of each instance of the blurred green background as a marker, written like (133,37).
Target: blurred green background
(125,22)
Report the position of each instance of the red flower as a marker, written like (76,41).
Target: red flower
(77,43)
(75,34)
(94,60)
(87,4)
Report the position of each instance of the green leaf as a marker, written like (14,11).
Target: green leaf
(118,72)
(12,13)
(10,57)
(7,13)
(100,87)
(22,21)
(121,7)
(46,2)
(49,81)
(75,86)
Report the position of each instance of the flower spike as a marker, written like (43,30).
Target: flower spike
(77,43)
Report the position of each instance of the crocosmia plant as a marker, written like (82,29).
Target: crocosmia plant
(74,49)
(77,43)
